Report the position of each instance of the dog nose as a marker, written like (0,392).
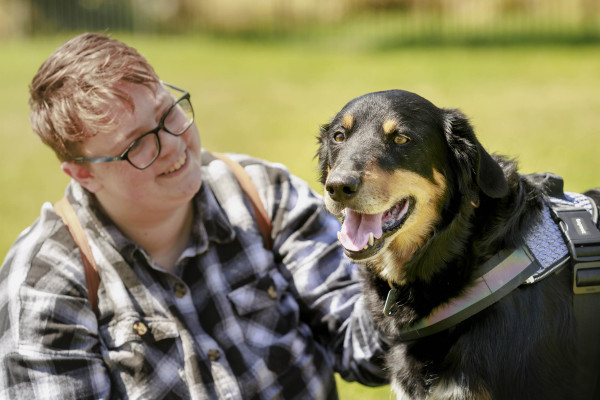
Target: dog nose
(342,188)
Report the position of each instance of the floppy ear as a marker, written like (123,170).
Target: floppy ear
(472,157)
(322,154)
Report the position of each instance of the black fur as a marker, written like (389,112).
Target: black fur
(523,347)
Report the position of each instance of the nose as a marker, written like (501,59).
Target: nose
(342,187)
(167,139)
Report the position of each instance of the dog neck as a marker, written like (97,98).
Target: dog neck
(439,271)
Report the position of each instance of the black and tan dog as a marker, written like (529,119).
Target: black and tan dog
(423,206)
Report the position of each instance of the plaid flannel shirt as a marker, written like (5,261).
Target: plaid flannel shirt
(234,321)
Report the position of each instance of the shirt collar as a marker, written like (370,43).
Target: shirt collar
(210,222)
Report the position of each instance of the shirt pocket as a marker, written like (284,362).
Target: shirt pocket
(260,295)
(135,348)
(268,314)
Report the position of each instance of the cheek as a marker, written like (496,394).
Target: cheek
(192,139)
(134,187)
(429,197)
(128,183)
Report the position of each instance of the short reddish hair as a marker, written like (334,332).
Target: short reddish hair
(70,94)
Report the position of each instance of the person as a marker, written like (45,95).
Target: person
(191,304)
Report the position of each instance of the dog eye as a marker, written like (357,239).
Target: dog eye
(339,137)
(400,139)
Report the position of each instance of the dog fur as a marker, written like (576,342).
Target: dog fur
(446,206)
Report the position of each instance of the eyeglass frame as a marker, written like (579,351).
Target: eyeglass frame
(155,131)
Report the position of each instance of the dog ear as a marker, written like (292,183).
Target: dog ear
(322,154)
(472,157)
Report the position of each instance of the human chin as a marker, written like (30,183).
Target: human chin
(191,175)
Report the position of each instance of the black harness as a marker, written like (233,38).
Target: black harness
(529,264)
(583,239)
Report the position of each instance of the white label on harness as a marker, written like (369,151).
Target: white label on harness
(581,227)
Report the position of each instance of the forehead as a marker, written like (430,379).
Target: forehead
(389,112)
(132,111)
(138,104)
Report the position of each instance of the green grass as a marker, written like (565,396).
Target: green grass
(268,98)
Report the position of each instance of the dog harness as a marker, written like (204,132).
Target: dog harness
(567,235)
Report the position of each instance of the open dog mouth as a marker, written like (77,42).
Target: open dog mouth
(362,235)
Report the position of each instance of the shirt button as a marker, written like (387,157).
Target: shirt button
(140,328)
(214,355)
(180,290)
(272,292)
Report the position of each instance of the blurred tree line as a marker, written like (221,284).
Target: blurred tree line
(423,17)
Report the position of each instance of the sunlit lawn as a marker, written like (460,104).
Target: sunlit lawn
(540,105)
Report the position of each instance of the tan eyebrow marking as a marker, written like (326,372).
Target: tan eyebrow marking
(348,121)
(389,126)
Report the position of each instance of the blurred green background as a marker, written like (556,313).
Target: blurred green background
(265,74)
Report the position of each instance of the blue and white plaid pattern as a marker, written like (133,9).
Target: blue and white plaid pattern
(234,321)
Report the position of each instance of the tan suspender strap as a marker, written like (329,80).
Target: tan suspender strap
(66,212)
(260,212)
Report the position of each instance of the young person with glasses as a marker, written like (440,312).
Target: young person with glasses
(191,304)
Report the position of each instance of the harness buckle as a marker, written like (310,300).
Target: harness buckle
(583,240)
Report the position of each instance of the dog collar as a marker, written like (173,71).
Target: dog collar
(498,276)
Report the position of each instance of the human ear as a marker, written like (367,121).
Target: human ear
(82,175)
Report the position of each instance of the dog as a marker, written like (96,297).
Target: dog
(422,206)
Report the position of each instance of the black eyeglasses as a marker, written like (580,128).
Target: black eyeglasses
(146,149)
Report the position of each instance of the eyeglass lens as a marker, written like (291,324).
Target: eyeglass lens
(146,149)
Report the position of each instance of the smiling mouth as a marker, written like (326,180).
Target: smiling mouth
(178,164)
(363,235)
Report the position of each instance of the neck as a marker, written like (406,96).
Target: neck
(163,234)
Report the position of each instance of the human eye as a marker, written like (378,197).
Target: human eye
(144,150)
(179,117)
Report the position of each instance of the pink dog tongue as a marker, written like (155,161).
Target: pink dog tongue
(356,228)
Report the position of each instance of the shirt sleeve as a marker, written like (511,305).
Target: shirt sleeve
(327,284)
(49,345)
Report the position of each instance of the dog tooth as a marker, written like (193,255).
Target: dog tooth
(339,235)
(371,239)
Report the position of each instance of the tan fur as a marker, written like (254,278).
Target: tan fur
(389,126)
(381,190)
(348,121)
(418,226)
(374,194)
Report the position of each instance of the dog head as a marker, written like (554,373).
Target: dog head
(391,164)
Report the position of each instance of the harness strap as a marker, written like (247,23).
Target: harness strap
(583,238)
(587,317)
(498,277)
(64,209)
